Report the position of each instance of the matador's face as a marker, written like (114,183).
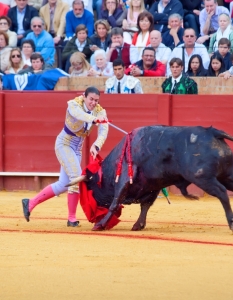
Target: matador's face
(91,100)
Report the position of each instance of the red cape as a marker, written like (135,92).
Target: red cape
(93,212)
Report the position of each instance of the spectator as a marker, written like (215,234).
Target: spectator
(28,47)
(35,3)
(101,66)
(121,83)
(225,30)
(129,19)
(209,20)
(5,24)
(162,10)
(195,67)
(80,42)
(53,15)
(216,66)
(101,39)
(42,39)
(9,3)
(38,65)
(189,48)
(191,14)
(21,16)
(78,16)
(4,51)
(174,36)
(111,12)
(145,25)
(97,6)
(88,4)
(79,65)
(179,83)
(15,62)
(147,66)
(223,50)
(119,49)
(3,9)
(227,74)
(162,52)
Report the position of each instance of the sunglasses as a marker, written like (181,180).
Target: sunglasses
(187,36)
(4,23)
(39,26)
(15,55)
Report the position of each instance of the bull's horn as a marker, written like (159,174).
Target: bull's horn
(77,180)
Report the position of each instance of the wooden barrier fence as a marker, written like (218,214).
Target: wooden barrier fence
(30,122)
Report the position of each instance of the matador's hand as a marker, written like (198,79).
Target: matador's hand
(94,151)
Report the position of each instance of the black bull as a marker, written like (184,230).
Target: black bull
(163,156)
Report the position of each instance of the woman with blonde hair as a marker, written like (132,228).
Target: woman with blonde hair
(225,30)
(79,65)
(101,39)
(101,66)
(129,18)
(16,62)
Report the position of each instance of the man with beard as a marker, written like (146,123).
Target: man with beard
(78,16)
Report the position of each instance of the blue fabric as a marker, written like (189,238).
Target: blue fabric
(44,44)
(32,82)
(168,40)
(20,17)
(72,22)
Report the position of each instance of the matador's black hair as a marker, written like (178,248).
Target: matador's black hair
(92,89)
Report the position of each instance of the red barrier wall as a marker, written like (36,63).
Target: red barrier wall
(30,122)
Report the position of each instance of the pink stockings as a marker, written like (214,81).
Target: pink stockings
(44,195)
(72,206)
(48,193)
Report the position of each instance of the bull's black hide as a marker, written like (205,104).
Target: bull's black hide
(164,156)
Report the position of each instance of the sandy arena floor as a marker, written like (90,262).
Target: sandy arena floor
(186,252)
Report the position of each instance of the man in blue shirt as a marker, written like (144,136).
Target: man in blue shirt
(78,16)
(43,40)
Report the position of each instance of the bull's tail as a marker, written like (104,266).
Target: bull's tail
(219,134)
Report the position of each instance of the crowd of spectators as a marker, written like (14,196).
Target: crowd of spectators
(145,37)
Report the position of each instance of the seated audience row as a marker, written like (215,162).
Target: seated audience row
(62,17)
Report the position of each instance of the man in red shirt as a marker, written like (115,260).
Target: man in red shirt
(147,66)
(4,9)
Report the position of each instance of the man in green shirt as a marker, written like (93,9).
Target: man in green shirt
(179,83)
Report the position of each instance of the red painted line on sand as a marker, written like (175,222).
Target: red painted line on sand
(123,221)
(131,236)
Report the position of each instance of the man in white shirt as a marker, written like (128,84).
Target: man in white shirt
(121,83)
(162,53)
(209,20)
(189,48)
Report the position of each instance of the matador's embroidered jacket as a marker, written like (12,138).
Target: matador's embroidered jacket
(186,85)
(77,118)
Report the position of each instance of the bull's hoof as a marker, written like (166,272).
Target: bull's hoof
(98,227)
(138,227)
